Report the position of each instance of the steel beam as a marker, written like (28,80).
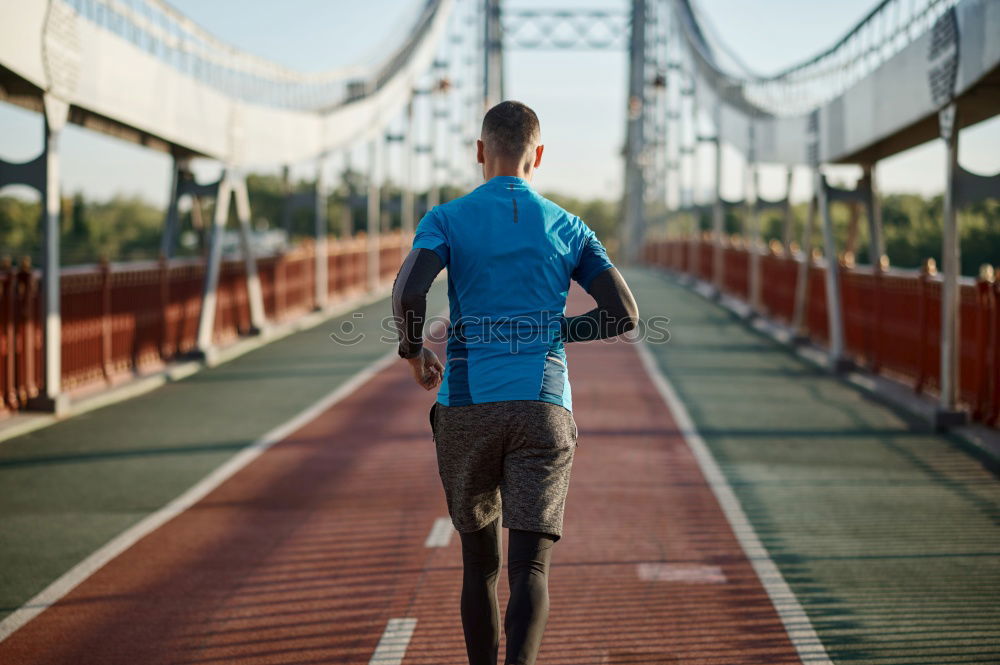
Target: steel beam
(254,293)
(320,231)
(210,287)
(755,236)
(406,203)
(288,204)
(718,212)
(565,29)
(873,211)
(693,164)
(786,228)
(834,309)
(802,276)
(755,250)
(42,174)
(948,412)
(347,218)
(634,193)
(172,221)
(493,88)
(374,213)
(816,201)
(433,192)
(231,186)
(56,115)
(434,139)
(384,223)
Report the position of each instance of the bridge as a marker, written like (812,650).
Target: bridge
(191,470)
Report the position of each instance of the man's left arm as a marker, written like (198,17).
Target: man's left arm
(616,312)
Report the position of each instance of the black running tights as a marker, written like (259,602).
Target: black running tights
(528,554)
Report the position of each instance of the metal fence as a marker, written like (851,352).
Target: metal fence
(892,318)
(127,319)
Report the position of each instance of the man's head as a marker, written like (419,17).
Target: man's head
(510,143)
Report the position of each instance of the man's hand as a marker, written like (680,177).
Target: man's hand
(427,369)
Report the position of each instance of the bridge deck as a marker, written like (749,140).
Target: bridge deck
(886,534)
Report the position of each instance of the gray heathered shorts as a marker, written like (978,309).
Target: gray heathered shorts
(519,452)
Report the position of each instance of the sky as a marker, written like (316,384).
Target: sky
(579,96)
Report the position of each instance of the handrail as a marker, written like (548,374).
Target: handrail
(165,33)
(884,31)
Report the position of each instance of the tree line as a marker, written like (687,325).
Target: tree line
(911,229)
(127,228)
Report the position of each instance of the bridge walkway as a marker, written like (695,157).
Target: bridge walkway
(729,504)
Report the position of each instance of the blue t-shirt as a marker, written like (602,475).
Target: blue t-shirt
(510,255)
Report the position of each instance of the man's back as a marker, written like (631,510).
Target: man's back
(510,254)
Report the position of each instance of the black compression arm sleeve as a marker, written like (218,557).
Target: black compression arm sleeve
(409,298)
(616,310)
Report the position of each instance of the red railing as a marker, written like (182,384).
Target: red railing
(892,319)
(119,319)
(706,259)
(735,278)
(778,273)
(20,337)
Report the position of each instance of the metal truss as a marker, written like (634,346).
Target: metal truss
(566,29)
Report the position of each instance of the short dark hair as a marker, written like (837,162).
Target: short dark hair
(510,129)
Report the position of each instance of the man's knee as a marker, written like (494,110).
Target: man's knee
(529,552)
(481,549)
(530,543)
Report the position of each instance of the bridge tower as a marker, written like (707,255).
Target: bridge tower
(492,54)
(634,185)
(576,29)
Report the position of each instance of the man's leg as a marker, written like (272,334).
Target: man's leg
(480,608)
(528,608)
(539,449)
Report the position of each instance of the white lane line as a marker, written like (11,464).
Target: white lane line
(392,645)
(683,573)
(797,625)
(150,523)
(440,534)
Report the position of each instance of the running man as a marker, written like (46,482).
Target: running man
(503,423)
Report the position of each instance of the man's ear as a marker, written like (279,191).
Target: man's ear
(538,155)
(479,152)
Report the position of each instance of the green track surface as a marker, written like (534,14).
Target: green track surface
(68,489)
(886,532)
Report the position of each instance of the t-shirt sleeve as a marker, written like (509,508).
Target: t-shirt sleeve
(593,260)
(431,235)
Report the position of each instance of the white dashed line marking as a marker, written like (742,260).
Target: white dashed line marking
(392,645)
(685,573)
(800,630)
(440,534)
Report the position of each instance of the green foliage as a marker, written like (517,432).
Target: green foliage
(600,215)
(911,229)
(121,229)
(20,231)
(128,228)
(267,199)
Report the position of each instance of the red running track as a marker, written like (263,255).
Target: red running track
(302,557)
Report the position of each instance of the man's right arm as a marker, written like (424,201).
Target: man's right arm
(409,298)
(616,312)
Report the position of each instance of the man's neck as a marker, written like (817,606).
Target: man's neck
(506,170)
(509,174)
